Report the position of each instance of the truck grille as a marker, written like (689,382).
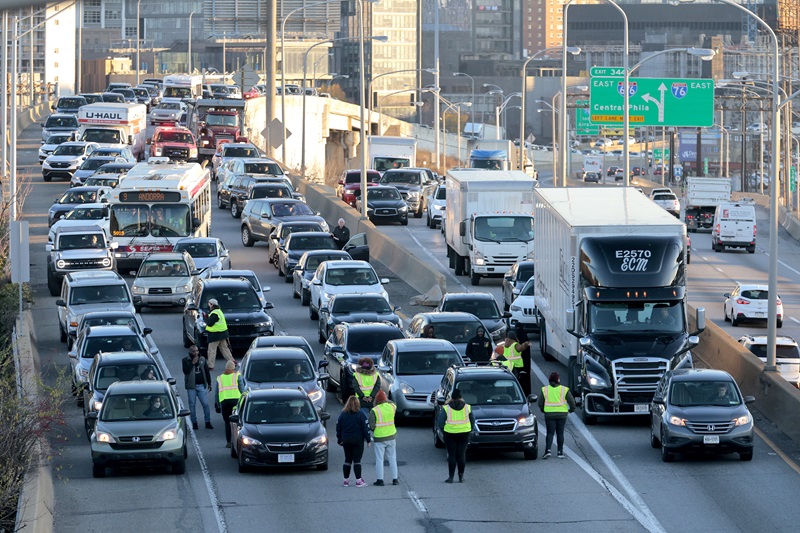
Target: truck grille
(529,311)
(508,261)
(159,290)
(501,425)
(386,211)
(224,138)
(84,263)
(285,447)
(710,428)
(178,153)
(639,377)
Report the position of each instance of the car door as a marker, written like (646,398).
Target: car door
(224,256)
(190,314)
(386,366)
(508,284)
(336,360)
(316,282)
(657,410)
(357,247)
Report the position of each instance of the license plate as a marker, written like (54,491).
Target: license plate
(761,314)
(710,439)
(289,457)
(641,408)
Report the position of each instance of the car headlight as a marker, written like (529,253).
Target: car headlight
(498,330)
(742,420)
(184,288)
(102,436)
(526,421)
(138,290)
(193,152)
(319,441)
(353,367)
(157,151)
(168,434)
(403,209)
(315,395)
(106,262)
(326,296)
(61,263)
(675,421)
(595,380)
(413,194)
(249,441)
(438,207)
(261,326)
(405,388)
(480,261)
(84,372)
(515,309)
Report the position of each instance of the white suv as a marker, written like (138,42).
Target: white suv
(787,354)
(343,277)
(749,302)
(524,316)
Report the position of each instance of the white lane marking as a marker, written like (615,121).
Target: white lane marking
(417,502)
(704,258)
(644,516)
(785,265)
(718,269)
(210,485)
(435,258)
(794,320)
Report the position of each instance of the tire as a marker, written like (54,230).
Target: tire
(52,284)
(234,455)
(321,337)
(779,324)
(418,213)
(62,335)
(734,320)
(294,292)
(220,205)
(314,315)
(751,249)
(247,238)
(543,343)
(137,308)
(586,418)
(235,212)
(746,456)
(429,222)
(280,270)
(725,316)
(305,296)
(330,387)
(323,466)
(179,467)
(79,398)
(187,343)
(404,222)
(654,442)
(98,471)
(437,442)
(666,455)
(475,279)
(459,265)
(48,179)
(287,277)
(87,426)
(451,258)
(532,455)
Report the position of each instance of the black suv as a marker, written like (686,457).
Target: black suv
(504,417)
(240,304)
(348,343)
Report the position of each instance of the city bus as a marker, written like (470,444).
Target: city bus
(156,204)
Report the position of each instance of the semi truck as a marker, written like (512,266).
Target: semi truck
(115,125)
(498,154)
(215,121)
(488,227)
(703,195)
(477,131)
(611,295)
(385,152)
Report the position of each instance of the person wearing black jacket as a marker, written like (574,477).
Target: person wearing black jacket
(341,234)
(197,380)
(456,422)
(351,433)
(479,347)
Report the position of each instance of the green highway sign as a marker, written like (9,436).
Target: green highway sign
(653,101)
(657,152)
(606,71)
(583,121)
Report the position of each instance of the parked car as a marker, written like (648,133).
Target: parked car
(669,202)
(349,185)
(66,159)
(164,279)
(167,112)
(384,204)
(281,232)
(249,275)
(208,253)
(524,316)
(435,205)
(260,216)
(410,182)
(89,167)
(514,280)
(592,177)
(296,244)
(52,142)
(455,327)
(72,198)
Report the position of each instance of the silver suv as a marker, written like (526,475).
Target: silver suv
(164,279)
(76,248)
(92,290)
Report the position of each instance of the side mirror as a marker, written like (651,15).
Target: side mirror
(48,247)
(340,182)
(532,398)
(337,349)
(397,308)
(506,315)
(323,416)
(440,400)
(384,281)
(43,124)
(191,307)
(569,316)
(323,377)
(149,141)
(154,352)
(726,295)
(384,368)
(749,399)
(73,355)
(264,215)
(700,318)
(658,400)
(61,303)
(147,331)
(132,273)
(196,272)
(269,305)
(317,282)
(234,418)
(171,381)
(225,253)
(184,412)
(462,228)
(323,364)
(693,340)
(195,222)
(93,414)
(323,310)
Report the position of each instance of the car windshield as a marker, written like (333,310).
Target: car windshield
(483,308)
(174,137)
(425,363)
(78,197)
(782,351)
(107,375)
(58,139)
(113,97)
(92,98)
(102,182)
(270,191)
(69,149)
(755,294)
(370,342)
(86,240)
(233,299)
(362,304)
(459,331)
(175,268)
(141,92)
(386,163)
(85,213)
(665,197)
(279,412)
(197,249)
(355,177)
(337,277)
(102,136)
(71,102)
(697,393)
(93,163)
(177,92)
(524,272)
(61,122)
(111,294)
(441,193)
(311,242)
(383,194)
(121,320)
(504,229)
(116,343)
(124,407)
(114,169)
(313,261)
(227,120)
(169,105)
(490,391)
(409,178)
(263,168)
(636,317)
(290,209)
(528,289)
(287,229)
(275,370)
(136,220)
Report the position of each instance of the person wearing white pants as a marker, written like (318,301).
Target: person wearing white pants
(384,433)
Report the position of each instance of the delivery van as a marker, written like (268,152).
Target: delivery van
(734,227)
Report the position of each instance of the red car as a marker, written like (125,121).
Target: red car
(349,185)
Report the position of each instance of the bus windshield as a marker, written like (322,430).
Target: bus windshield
(178,92)
(141,220)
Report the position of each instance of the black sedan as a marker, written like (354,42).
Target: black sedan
(385,204)
(298,243)
(240,304)
(278,427)
(305,268)
(355,308)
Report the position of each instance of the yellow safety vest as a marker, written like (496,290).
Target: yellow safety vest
(457,421)
(513,357)
(366,382)
(221,325)
(555,399)
(384,420)
(228,385)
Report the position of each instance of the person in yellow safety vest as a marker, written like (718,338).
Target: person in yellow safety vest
(366,383)
(229,389)
(217,331)
(556,402)
(384,433)
(512,353)
(456,422)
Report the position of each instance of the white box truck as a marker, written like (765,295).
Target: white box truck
(611,294)
(703,195)
(488,222)
(180,87)
(115,125)
(385,153)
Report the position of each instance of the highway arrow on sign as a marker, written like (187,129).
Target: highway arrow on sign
(660,105)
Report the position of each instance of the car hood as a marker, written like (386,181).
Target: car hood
(404,187)
(302,432)
(166,281)
(307,386)
(205,262)
(422,384)
(498,411)
(165,112)
(102,224)
(63,158)
(83,173)
(385,203)
(132,428)
(364,317)
(59,208)
(708,413)
(84,253)
(234,316)
(356,289)
(300,218)
(82,309)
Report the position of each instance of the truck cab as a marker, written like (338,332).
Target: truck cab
(174,142)
(216,121)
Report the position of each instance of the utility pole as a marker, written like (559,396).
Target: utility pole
(272,10)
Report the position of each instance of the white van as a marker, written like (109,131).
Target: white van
(734,226)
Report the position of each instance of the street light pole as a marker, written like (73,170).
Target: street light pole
(472,81)
(138,40)
(436,79)
(190,42)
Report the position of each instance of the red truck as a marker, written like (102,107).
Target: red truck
(213,121)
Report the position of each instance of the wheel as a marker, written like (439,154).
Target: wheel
(586,418)
(573,374)
(187,343)
(305,296)
(220,205)
(418,213)
(233,450)
(725,315)
(543,343)
(47,179)
(247,239)
(429,222)
(746,456)
(287,277)
(53,284)
(451,258)
(137,308)
(235,213)
(294,292)
(62,335)
(751,249)
(404,222)
(532,455)
(666,455)
(780,323)
(734,320)
(88,427)
(179,467)
(323,466)
(459,265)
(321,336)
(506,306)
(314,315)
(437,442)
(280,270)
(330,387)
(98,471)
(78,397)
(654,442)
(475,279)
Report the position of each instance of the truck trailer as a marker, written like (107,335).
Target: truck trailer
(703,195)
(386,152)
(611,295)
(114,125)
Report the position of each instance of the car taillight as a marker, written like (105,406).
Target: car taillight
(716,230)
(754,230)
(689,217)
(778,302)
(742,301)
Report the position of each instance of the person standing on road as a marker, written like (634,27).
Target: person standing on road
(197,380)
(230,387)
(351,434)
(341,234)
(456,422)
(479,347)
(217,330)
(512,353)
(366,384)
(556,402)
(381,422)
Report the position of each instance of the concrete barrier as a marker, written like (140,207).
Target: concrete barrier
(411,268)
(776,399)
